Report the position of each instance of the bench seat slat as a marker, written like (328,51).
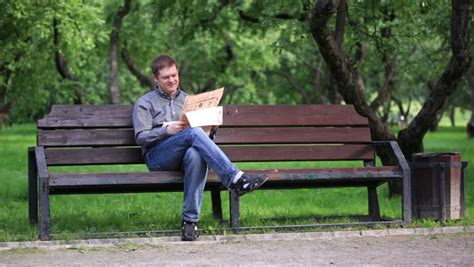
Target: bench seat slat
(274,135)
(132,155)
(170,177)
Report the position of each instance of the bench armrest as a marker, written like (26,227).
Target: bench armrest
(41,162)
(406,171)
(396,151)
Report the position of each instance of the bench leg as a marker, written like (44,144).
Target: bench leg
(32,187)
(374,210)
(216,204)
(44,209)
(234,204)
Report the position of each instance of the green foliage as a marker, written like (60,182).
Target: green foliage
(261,51)
(28,49)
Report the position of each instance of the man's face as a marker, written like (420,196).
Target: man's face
(168,80)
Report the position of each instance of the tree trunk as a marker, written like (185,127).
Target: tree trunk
(4,106)
(403,113)
(333,93)
(347,78)
(437,120)
(470,124)
(452,115)
(383,96)
(411,138)
(62,65)
(113,51)
(318,92)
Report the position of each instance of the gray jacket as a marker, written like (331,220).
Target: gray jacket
(150,112)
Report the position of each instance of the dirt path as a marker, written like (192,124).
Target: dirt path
(440,249)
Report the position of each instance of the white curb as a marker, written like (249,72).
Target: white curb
(175,240)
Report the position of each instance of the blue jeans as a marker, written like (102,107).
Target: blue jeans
(191,151)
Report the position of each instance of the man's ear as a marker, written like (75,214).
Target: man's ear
(155,78)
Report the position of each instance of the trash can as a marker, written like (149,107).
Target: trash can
(438,186)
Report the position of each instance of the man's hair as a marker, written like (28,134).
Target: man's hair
(161,62)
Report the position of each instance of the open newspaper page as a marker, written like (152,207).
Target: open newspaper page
(202,110)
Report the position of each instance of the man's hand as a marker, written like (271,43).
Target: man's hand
(175,127)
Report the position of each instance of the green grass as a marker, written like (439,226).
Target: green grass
(74,215)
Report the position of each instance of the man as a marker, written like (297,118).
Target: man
(169,145)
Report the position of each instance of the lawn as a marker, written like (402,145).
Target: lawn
(159,211)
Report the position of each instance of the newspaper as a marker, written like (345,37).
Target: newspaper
(202,110)
(205,117)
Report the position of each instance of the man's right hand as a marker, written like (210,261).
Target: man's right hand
(175,127)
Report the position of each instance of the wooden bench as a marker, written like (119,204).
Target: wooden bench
(100,135)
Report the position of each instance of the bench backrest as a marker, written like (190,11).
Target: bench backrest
(103,134)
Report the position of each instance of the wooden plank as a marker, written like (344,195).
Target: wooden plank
(132,155)
(277,135)
(302,115)
(93,116)
(176,177)
(87,116)
(93,156)
(101,111)
(295,135)
(298,153)
(86,137)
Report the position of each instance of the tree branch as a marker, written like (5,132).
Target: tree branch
(303,16)
(389,65)
(295,84)
(144,80)
(247,18)
(384,94)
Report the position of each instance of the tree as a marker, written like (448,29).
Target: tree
(30,46)
(261,51)
(410,138)
(62,65)
(470,123)
(113,51)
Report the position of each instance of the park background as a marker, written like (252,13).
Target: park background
(400,56)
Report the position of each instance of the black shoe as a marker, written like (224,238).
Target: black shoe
(248,183)
(190,231)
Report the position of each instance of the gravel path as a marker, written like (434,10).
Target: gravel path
(429,249)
